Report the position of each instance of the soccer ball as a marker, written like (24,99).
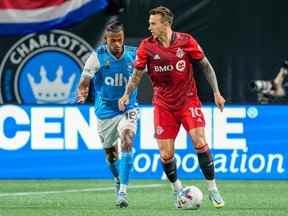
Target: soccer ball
(192,198)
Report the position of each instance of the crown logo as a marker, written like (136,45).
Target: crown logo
(47,91)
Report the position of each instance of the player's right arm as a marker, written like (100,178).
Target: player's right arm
(131,86)
(91,67)
(139,68)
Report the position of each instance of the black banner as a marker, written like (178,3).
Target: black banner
(244,40)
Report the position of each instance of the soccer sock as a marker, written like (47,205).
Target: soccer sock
(212,185)
(171,173)
(177,185)
(123,188)
(206,162)
(126,163)
(113,168)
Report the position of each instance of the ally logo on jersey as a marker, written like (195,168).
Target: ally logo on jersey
(117,80)
(116,72)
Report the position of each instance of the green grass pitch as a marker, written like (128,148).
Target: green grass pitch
(96,197)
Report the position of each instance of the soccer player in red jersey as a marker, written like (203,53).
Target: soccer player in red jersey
(169,56)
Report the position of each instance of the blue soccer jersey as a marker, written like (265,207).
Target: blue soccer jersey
(110,79)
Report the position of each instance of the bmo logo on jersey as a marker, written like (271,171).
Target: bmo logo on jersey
(117,80)
(180,66)
(163,68)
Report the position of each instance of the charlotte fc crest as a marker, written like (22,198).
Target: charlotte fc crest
(43,68)
(107,64)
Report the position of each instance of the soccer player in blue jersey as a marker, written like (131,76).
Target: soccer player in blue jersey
(110,67)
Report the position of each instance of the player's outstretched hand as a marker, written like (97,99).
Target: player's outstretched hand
(219,101)
(123,101)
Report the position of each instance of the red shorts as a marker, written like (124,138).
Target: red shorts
(167,122)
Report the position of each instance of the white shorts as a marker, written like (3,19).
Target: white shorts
(109,130)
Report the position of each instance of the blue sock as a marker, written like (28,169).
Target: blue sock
(126,163)
(113,168)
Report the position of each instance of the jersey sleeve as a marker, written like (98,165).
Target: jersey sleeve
(92,65)
(141,57)
(194,49)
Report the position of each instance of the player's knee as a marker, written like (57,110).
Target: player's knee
(202,148)
(111,154)
(127,140)
(199,140)
(166,157)
(200,144)
(126,147)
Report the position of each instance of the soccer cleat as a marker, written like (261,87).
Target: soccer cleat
(216,199)
(122,200)
(179,199)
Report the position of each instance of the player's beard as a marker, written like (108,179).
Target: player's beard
(118,51)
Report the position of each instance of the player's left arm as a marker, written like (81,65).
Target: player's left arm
(210,75)
(196,54)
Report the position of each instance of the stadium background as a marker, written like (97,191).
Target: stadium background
(244,40)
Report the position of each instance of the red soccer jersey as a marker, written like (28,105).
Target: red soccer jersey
(170,69)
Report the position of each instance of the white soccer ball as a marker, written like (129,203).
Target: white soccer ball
(192,198)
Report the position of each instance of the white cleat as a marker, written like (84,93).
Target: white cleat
(216,199)
(179,199)
(122,200)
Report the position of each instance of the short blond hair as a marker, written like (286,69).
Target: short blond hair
(165,13)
